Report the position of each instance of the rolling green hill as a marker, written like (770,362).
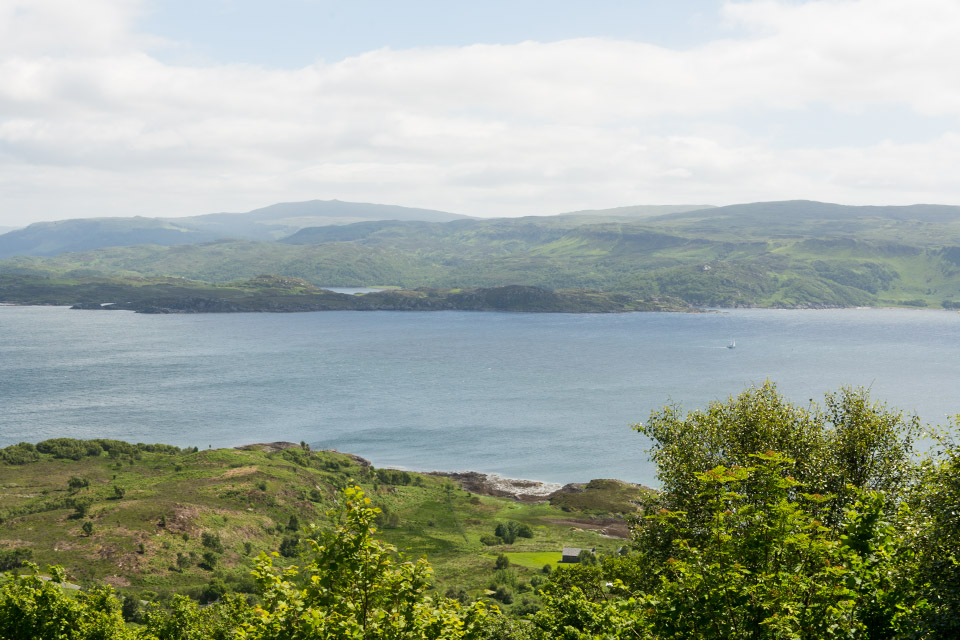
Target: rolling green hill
(154,519)
(268,223)
(779,254)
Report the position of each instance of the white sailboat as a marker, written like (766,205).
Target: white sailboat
(732,345)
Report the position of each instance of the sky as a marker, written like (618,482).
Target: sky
(493,108)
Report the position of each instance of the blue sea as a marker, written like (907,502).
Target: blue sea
(543,396)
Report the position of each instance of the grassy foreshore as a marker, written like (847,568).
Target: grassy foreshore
(154,520)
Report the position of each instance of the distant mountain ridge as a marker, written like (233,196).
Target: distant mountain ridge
(775,254)
(641,210)
(804,210)
(264,224)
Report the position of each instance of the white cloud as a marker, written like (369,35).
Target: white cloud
(91,124)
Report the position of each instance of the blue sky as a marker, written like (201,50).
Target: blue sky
(529,107)
(295,33)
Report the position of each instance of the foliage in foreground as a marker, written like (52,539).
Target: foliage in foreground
(752,537)
(353,586)
(746,541)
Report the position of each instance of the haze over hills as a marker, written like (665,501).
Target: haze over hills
(640,210)
(265,224)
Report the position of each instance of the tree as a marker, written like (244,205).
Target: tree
(81,506)
(934,511)
(32,609)
(741,571)
(354,586)
(211,541)
(851,445)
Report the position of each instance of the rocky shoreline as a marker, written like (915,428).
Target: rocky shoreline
(484,484)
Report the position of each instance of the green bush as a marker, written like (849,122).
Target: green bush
(19,454)
(130,609)
(211,541)
(70,448)
(14,558)
(509,531)
(213,591)
(81,506)
(289,546)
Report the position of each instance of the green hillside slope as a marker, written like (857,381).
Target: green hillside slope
(791,254)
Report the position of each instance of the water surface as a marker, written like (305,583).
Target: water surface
(543,396)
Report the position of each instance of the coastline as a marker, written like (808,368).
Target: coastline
(485,484)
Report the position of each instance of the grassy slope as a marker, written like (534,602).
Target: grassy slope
(243,496)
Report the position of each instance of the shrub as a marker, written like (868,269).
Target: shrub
(18,454)
(213,591)
(13,558)
(502,562)
(70,448)
(526,607)
(76,483)
(504,595)
(81,506)
(505,533)
(289,546)
(509,531)
(118,492)
(490,541)
(130,609)
(388,519)
(505,577)
(210,560)
(211,541)
(394,476)
(87,528)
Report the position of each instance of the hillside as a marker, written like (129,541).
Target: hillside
(780,254)
(267,223)
(154,519)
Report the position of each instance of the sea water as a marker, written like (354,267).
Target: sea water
(544,396)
